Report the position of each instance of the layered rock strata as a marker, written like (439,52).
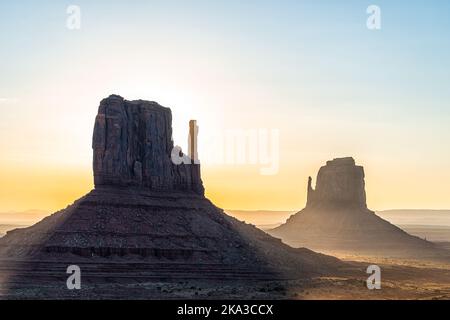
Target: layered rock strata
(133,146)
(146,220)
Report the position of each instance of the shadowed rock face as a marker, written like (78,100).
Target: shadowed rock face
(147,219)
(341,183)
(336,219)
(132,146)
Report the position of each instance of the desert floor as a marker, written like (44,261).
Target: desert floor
(399,280)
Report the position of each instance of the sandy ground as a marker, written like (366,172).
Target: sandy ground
(399,280)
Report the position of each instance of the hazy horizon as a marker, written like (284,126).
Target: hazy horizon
(433,225)
(396,216)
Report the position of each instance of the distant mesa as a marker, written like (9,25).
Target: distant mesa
(336,219)
(147,218)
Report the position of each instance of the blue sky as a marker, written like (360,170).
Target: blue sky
(310,68)
(285,44)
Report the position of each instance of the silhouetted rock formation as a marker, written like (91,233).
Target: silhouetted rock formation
(147,218)
(133,146)
(336,219)
(339,183)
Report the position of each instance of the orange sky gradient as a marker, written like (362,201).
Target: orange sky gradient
(241,187)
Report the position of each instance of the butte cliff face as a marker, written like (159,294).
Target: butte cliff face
(133,146)
(336,219)
(339,183)
(147,219)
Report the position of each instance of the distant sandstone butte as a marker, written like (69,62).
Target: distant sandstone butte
(147,220)
(339,183)
(132,146)
(336,219)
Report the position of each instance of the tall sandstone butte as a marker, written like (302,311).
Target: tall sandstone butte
(336,219)
(146,220)
(339,183)
(133,145)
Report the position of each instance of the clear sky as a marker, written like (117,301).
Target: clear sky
(310,69)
